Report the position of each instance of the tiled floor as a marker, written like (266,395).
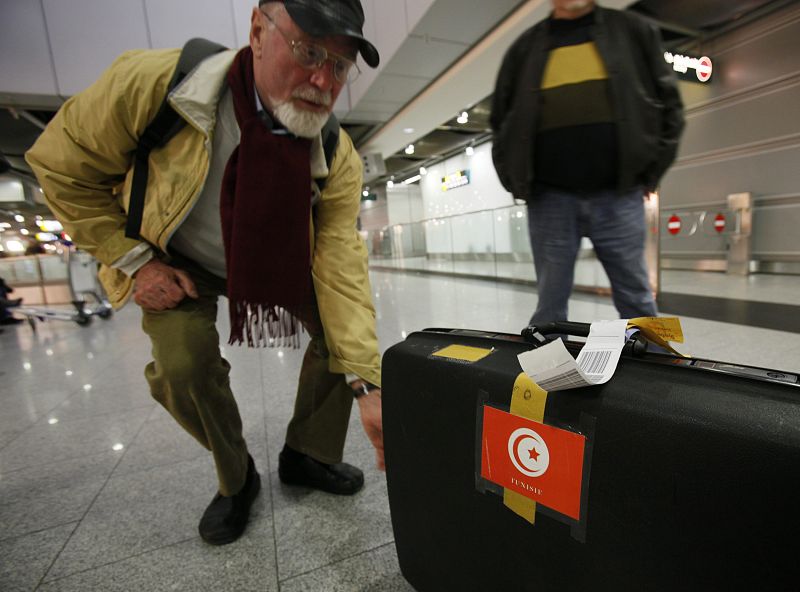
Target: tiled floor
(99,490)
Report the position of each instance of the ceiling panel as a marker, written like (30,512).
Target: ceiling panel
(463,22)
(424,56)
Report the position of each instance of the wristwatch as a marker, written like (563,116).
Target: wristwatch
(362,387)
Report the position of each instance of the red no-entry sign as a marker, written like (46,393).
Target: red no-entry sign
(674,224)
(719,223)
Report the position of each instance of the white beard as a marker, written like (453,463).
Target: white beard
(302,122)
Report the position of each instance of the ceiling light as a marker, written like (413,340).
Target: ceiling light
(51,226)
(409,149)
(389,184)
(24,231)
(408,130)
(423,171)
(15,246)
(463,118)
(19,218)
(365,193)
(413,179)
(470,150)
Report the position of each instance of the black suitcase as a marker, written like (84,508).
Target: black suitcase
(692,480)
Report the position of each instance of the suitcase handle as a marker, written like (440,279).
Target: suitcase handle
(636,345)
(555,328)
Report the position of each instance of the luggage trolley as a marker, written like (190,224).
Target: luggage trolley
(88,296)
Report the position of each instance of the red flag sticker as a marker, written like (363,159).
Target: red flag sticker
(538,461)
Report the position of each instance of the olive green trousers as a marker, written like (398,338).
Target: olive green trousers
(190,379)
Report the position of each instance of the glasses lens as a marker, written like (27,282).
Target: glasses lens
(341,70)
(309,56)
(313,56)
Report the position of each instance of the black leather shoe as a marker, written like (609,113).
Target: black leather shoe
(226,517)
(296,468)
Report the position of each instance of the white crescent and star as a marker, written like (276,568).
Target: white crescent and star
(528,452)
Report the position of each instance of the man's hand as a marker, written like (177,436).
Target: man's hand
(371,418)
(160,287)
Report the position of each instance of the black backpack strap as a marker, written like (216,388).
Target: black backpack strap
(330,140)
(162,129)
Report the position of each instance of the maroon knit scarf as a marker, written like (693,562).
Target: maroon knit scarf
(265,207)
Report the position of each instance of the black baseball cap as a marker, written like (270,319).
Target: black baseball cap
(320,18)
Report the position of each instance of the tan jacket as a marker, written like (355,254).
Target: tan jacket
(83,162)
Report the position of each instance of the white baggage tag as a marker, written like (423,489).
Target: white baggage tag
(554,369)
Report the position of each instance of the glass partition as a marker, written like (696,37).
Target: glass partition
(37,279)
(489,243)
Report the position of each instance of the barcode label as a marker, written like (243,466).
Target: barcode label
(595,362)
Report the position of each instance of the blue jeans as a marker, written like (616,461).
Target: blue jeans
(614,222)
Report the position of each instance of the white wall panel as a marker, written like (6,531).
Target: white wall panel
(173,22)
(87,35)
(25,64)
(242,11)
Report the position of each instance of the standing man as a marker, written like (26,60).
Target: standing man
(233,208)
(586,117)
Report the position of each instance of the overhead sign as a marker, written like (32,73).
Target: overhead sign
(701,66)
(455,180)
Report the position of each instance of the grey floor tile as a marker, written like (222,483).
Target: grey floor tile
(102,399)
(141,512)
(160,442)
(314,529)
(47,495)
(248,565)
(9,433)
(45,443)
(28,404)
(373,571)
(24,560)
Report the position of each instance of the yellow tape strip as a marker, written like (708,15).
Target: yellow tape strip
(528,400)
(463,352)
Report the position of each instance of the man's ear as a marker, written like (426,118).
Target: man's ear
(256,32)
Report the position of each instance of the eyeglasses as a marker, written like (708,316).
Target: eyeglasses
(313,57)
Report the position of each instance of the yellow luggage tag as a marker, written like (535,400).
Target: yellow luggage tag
(660,330)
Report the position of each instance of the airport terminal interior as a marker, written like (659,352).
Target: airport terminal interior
(101,490)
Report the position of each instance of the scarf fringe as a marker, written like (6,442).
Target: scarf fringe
(264,325)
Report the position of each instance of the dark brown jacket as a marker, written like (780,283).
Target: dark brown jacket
(648,111)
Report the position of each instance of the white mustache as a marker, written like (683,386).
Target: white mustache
(313,95)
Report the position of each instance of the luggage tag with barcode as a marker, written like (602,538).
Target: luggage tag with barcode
(554,369)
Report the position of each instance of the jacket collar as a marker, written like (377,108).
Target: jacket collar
(197,97)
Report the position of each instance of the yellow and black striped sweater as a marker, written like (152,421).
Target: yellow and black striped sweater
(576,145)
